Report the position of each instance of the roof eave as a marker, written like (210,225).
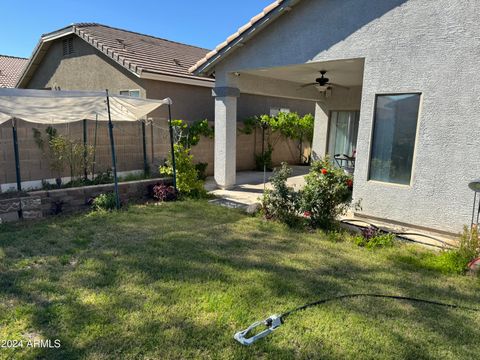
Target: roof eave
(205,66)
(176,78)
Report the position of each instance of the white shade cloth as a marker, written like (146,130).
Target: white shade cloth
(59,107)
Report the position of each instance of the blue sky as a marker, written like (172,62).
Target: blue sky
(202,23)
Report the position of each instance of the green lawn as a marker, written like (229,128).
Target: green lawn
(177,280)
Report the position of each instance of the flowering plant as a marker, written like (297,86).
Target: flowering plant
(327,193)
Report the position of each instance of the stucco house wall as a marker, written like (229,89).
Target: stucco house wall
(89,69)
(408,46)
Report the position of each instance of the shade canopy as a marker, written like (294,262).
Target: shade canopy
(59,107)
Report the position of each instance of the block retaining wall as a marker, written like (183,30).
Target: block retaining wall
(44,203)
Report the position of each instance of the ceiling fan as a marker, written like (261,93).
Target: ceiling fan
(323,82)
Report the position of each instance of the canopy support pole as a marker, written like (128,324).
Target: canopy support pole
(114,161)
(85,172)
(17,163)
(17,155)
(94,147)
(144,147)
(172,148)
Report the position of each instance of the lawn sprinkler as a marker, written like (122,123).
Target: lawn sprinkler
(273,322)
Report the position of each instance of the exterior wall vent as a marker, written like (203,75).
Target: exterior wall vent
(68,46)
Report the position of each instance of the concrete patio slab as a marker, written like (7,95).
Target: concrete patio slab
(250,186)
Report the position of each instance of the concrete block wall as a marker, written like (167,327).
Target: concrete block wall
(41,204)
(35,165)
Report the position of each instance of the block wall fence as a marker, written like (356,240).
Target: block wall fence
(35,165)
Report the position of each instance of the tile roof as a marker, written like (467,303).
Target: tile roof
(261,19)
(139,52)
(11,68)
(144,55)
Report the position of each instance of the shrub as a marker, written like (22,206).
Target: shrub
(282,202)
(456,260)
(104,202)
(201,170)
(288,125)
(264,160)
(188,182)
(469,243)
(164,192)
(374,240)
(448,262)
(326,195)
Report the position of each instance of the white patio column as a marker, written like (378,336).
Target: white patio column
(225,136)
(320,131)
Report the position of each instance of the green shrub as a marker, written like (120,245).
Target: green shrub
(326,195)
(456,260)
(188,182)
(104,202)
(282,202)
(201,170)
(264,161)
(469,243)
(376,241)
(448,262)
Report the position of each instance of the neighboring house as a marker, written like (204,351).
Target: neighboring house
(11,67)
(407,104)
(89,56)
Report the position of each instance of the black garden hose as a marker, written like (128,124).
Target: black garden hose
(394,297)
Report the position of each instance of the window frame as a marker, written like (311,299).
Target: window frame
(129,91)
(329,127)
(279,108)
(415,146)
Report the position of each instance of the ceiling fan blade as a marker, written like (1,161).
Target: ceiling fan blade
(310,84)
(337,85)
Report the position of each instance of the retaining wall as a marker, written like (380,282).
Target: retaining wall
(44,203)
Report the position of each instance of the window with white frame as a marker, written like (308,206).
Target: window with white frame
(394,135)
(134,93)
(274,111)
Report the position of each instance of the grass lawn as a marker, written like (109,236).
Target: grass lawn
(178,280)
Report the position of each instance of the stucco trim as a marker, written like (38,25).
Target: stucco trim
(210,83)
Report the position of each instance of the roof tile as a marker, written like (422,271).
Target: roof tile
(139,51)
(11,69)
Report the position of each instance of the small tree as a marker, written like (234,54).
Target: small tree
(189,180)
(286,125)
(64,153)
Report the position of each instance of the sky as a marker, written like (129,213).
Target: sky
(204,23)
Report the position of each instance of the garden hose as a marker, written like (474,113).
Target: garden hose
(402,235)
(273,322)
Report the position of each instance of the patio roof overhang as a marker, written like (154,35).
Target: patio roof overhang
(289,81)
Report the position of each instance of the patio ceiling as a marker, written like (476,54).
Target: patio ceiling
(343,72)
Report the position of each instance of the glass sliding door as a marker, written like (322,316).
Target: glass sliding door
(343,133)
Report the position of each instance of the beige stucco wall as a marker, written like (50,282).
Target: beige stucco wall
(89,69)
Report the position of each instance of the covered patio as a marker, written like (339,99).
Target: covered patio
(335,87)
